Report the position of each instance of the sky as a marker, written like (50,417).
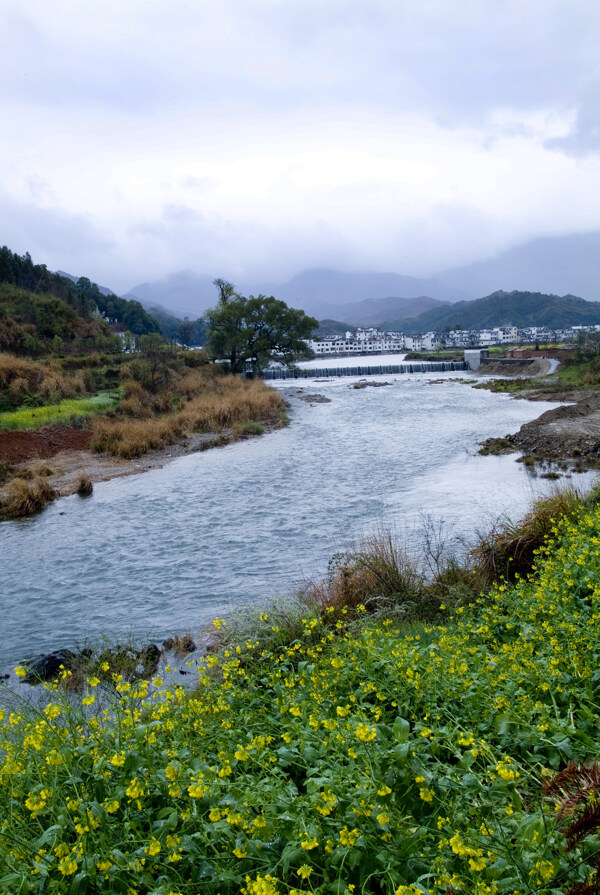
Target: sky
(258,138)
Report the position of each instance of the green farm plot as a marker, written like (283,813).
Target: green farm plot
(62,412)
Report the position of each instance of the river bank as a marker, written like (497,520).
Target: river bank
(139,430)
(67,460)
(565,437)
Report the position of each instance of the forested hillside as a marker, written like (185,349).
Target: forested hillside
(503,309)
(38,307)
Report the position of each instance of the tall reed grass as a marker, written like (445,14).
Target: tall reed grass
(197,401)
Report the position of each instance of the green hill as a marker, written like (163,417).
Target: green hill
(503,309)
(38,306)
(173,328)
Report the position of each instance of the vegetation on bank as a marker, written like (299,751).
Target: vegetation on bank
(66,411)
(150,400)
(578,370)
(374,749)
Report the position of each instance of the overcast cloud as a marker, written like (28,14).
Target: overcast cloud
(255,138)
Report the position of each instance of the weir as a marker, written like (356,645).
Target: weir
(381,370)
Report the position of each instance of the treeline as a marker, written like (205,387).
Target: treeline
(128,314)
(189,333)
(33,324)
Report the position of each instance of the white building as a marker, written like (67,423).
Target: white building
(364,341)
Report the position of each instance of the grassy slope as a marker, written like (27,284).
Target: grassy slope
(362,757)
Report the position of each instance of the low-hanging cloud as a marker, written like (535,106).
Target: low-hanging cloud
(256,137)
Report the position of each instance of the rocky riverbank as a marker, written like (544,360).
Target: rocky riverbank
(569,434)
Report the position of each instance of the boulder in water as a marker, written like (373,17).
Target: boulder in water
(48,666)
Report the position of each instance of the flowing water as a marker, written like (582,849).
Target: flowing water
(169,549)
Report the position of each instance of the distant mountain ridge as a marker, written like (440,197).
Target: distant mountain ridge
(182,293)
(553,264)
(550,265)
(374,311)
(321,289)
(321,293)
(504,309)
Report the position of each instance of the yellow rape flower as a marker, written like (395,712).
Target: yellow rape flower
(348,837)
(365,733)
(196,791)
(154,847)
(67,866)
(118,759)
(310,843)
(135,789)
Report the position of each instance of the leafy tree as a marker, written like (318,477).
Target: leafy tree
(152,370)
(253,331)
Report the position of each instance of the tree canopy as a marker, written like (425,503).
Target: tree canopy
(255,330)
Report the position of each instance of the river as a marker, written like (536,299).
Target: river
(169,549)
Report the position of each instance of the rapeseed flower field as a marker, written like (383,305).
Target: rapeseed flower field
(369,757)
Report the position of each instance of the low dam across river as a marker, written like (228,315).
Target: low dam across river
(380,370)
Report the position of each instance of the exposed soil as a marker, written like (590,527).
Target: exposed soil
(68,454)
(567,434)
(18,447)
(537,366)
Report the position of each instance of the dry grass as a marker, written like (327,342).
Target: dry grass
(510,548)
(20,378)
(377,573)
(230,400)
(37,468)
(25,497)
(207,401)
(133,438)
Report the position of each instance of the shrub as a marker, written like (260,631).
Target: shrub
(26,497)
(85,486)
(377,573)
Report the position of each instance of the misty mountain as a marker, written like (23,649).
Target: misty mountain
(316,291)
(560,264)
(185,293)
(505,309)
(373,311)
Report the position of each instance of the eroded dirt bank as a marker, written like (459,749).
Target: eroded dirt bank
(67,456)
(567,434)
